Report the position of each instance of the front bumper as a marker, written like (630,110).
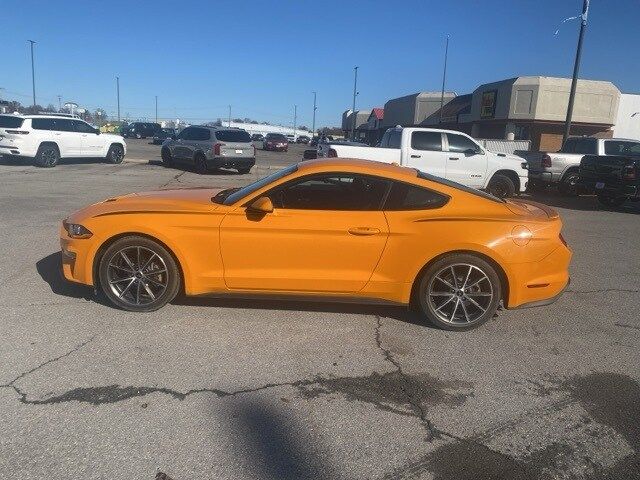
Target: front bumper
(74,253)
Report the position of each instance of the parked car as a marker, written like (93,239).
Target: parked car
(257,137)
(562,168)
(48,138)
(303,139)
(614,178)
(140,130)
(211,148)
(329,228)
(291,138)
(448,154)
(162,134)
(275,141)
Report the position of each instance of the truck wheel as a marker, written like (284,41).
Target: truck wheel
(501,186)
(611,202)
(47,156)
(115,154)
(569,184)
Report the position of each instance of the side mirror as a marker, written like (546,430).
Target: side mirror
(469,152)
(261,205)
(97,131)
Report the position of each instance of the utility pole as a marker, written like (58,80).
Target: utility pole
(156,108)
(444,76)
(576,68)
(295,119)
(313,125)
(33,74)
(229,115)
(59,102)
(118,95)
(353,110)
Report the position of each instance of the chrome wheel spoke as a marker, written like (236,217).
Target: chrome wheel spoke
(138,292)
(453,274)
(149,292)
(477,304)
(120,280)
(445,282)
(464,284)
(128,270)
(455,309)
(444,304)
(133,280)
(478,294)
(464,310)
(155,282)
(126,259)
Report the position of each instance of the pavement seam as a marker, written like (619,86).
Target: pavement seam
(432,432)
(175,178)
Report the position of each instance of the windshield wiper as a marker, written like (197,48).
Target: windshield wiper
(221,196)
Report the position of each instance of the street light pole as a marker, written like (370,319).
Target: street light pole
(59,102)
(33,74)
(156,108)
(295,119)
(313,125)
(118,95)
(576,68)
(353,110)
(444,76)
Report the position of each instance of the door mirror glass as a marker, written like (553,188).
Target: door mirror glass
(261,205)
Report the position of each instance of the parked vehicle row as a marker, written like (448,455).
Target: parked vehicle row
(613,178)
(140,130)
(48,138)
(448,154)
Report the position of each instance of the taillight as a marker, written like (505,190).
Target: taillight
(546,161)
(216,148)
(18,132)
(629,173)
(332,153)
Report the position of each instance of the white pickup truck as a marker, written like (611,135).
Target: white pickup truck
(444,153)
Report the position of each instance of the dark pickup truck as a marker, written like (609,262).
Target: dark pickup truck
(614,178)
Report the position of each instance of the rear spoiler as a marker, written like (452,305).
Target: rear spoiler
(551,212)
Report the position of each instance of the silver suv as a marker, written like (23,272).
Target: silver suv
(210,148)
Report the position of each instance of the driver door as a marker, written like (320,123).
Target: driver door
(326,234)
(467,163)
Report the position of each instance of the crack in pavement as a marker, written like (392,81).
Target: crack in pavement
(409,389)
(175,178)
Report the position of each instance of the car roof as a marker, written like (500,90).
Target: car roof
(363,166)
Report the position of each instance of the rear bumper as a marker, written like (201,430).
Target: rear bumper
(611,189)
(539,283)
(231,162)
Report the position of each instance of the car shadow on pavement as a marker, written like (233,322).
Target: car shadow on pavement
(185,167)
(401,313)
(279,443)
(49,269)
(579,202)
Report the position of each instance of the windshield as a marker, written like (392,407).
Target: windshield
(239,194)
(458,186)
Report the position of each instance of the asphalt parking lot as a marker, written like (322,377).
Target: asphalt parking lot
(271,390)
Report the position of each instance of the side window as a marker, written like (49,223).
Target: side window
(82,127)
(186,134)
(460,143)
(431,141)
(202,134)
(569,146)
(404,196)
(385,139)
(395,136)
(63,125)
(42,124)
(586,146)
(332,191)
(618,147)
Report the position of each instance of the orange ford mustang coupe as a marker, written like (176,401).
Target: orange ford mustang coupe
(335,229)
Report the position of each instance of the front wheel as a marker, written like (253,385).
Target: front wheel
(501,186)
(200,162)
(138,274)
(610,201)
(459,292)
(569,184)
(167,159)
(115,154)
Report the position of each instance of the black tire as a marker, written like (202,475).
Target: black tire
(569,184)
(244,171)
(48,156)
(501,186)
(124,297)
(200,163)
(115,154)
(167,159)
(432,293)
(610,201)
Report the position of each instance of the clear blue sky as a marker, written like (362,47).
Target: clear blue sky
(263,57)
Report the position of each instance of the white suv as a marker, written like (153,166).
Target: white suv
(47,138)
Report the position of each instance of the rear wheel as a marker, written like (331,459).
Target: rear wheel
(501,186)
(569,184)
(47,156)
(167,159)
(200,163)
(115,154)
(459,292)
(138,274)
(610,201)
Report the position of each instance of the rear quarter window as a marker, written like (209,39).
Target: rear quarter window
(239,136)
(9,121)
(404,196)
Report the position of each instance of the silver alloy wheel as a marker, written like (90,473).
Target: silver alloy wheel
(460,294)
(137,275)
(117,155)
(49,156)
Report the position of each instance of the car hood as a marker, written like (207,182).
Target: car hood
(187,200)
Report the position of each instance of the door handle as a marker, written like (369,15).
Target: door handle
(416,156)
(364,231)
(454,158)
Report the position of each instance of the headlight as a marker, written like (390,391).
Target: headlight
(76,230)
